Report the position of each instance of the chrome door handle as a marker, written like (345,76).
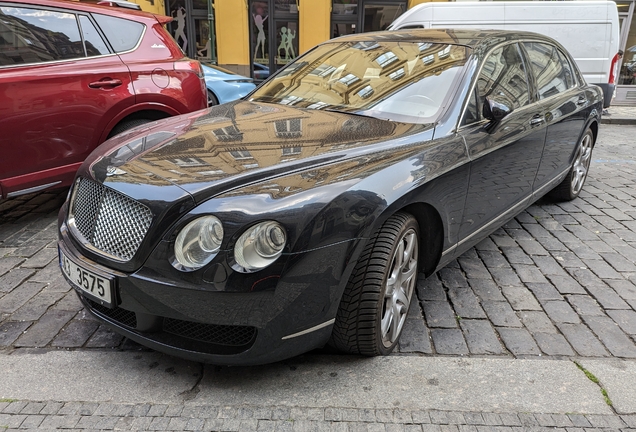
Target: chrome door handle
(534,121)
(581,100)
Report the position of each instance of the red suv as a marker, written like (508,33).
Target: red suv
(74,74)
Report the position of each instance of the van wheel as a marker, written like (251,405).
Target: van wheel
(572,184)
(127,124)
(377,297)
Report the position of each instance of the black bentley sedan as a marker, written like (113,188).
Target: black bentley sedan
(301,215)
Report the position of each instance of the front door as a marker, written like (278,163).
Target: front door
(505,155)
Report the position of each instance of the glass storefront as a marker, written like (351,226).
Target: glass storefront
(273,32)
(193,27)
(356,16)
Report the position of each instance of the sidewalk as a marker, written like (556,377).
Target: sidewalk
(149,391)
(624,115)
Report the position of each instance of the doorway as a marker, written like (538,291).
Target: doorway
(357,16)
(193,27)
(273,35)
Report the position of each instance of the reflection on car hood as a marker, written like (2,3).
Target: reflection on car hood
(216,150)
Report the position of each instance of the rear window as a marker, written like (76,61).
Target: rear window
(122,34)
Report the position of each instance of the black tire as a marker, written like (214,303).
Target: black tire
(127,124)
(360,326)
(212,100)
(572,184)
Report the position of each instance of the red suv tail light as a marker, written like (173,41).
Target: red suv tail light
(189,66)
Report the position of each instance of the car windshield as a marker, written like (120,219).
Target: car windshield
(400,81)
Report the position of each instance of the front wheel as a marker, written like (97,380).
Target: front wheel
(376,300)
(572,184)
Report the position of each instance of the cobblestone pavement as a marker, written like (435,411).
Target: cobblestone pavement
(559,280)
(20,415)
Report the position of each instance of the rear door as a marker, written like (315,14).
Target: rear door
(59,81)
(564,109)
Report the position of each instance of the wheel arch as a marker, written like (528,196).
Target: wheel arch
(594,128)
(431,234)
(148,111)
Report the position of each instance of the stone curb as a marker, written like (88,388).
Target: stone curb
(37,415)
(618,121)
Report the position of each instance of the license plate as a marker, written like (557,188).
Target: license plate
(92,284)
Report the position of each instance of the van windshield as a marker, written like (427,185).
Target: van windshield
(400,81)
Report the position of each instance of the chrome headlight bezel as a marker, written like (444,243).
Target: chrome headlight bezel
(197,243)
(259,246)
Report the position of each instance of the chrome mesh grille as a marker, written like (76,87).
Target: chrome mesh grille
(111,222)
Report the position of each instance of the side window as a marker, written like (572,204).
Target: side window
(568,73)
(93,42)
(122,34)
(551,75)
(503,78)
(35,35)
(471,115)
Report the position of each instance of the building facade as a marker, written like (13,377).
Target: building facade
(254,37)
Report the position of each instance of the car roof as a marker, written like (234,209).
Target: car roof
(473,38)
(88,7)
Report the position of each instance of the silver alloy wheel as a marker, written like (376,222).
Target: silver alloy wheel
(581,164)
(399,288)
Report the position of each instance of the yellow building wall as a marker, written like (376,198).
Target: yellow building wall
(232,35)
(314,22)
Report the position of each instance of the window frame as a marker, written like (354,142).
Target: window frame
(576,76)
(472,88)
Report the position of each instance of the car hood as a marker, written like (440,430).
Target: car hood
(232,145)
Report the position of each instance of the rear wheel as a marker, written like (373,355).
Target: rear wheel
(376,300)
(572,184)
(127,124)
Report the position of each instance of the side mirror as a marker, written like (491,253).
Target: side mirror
(494,110)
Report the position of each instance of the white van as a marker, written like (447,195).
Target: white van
(589,30)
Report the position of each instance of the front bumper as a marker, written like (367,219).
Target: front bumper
(223,327)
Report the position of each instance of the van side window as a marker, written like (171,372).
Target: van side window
(548,68)
(36,35)
(503,77)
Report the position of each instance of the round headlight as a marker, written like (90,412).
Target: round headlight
(260,246)
(197,243)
